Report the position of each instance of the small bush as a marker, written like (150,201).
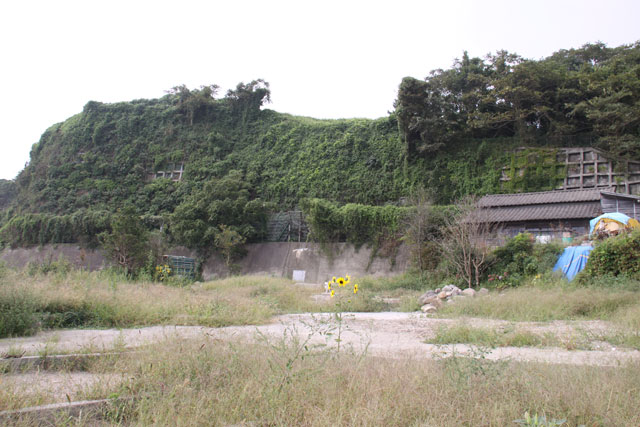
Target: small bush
(521,257)
(17,312)
(409,281)
(61,266)
(619,255)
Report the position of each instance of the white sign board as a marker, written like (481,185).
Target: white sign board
(298,275)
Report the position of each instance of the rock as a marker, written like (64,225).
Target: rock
(424,297)
(434,301)
(437,291)
(483,291)
(428,308)
(442,295)
(469,292)
(451,288)
(448,293)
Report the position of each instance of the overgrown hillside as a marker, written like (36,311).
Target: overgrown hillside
(452,133)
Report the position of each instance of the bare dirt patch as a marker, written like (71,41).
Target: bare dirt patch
(388,334)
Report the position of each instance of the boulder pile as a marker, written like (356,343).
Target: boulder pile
(432,300)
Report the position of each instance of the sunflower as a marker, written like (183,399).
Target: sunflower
(355,288)
(341,281)
(333,293)
(348,279)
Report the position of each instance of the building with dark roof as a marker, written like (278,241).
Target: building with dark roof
(555,214)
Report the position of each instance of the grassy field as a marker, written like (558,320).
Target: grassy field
(199,382)
(206,381)
(33,301)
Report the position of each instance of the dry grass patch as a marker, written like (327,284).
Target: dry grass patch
(104,299)
(202,382)
(84,299)
(543,304)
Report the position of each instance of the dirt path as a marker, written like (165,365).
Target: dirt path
(382,334)
(54,386)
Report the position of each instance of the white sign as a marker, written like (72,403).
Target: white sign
(298,275)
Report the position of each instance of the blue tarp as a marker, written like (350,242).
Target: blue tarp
(620,217)
(573,260)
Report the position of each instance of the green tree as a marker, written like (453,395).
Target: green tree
(195,222)
(227,241)
(193,102)
(128,241)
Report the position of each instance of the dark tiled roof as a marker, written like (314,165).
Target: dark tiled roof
(543,197)
(555,211)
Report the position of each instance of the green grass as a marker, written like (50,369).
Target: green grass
(464,334)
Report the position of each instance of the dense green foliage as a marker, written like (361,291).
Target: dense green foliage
(591,92)
(520,257)
(127,243)
(355,223)
(7,192)
(619,255)
(17,313)
(452,133)
(224,202)
(37,229)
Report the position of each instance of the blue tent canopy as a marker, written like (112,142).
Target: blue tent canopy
(573,260)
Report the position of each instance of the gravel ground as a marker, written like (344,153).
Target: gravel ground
(389,334)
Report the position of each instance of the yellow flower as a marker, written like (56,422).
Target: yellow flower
(329,286)
(341,281)
(346,282)
(333,293)
(333,279)
(355,288)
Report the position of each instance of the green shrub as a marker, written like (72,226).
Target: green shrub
(521,257)
(17,312)
(354,223)
(619,255)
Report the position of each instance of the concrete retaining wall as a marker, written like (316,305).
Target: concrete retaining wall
(74,254)
(278,259)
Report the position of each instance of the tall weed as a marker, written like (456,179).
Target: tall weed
(205,382)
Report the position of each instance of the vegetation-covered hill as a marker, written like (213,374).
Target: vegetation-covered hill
(450,133)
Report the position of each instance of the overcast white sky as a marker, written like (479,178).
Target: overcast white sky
(325,59)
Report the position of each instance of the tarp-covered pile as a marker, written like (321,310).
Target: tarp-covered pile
(610,224)
(573,260)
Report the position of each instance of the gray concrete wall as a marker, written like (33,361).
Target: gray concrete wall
(277,259)
(79,257)
(280,259)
